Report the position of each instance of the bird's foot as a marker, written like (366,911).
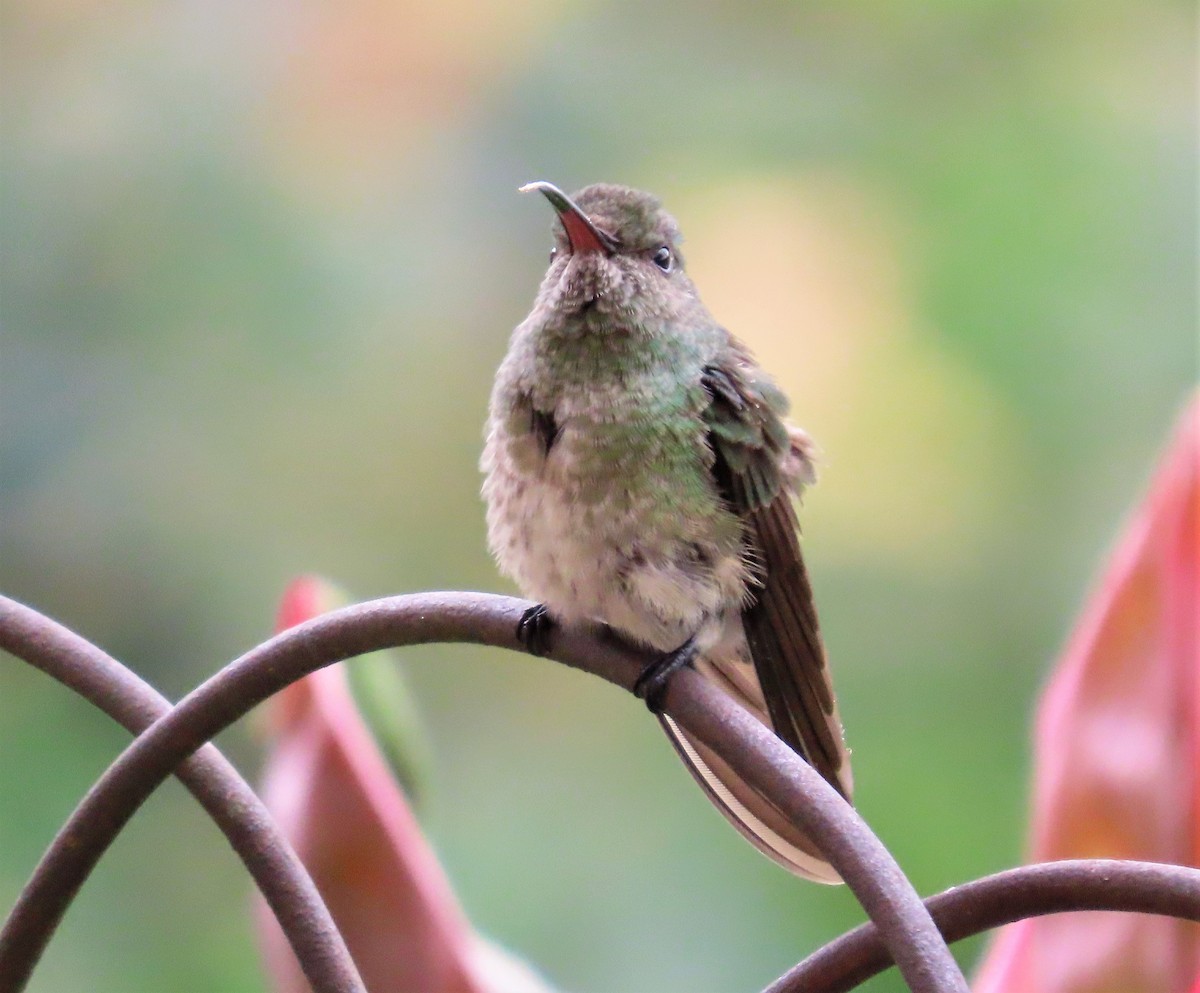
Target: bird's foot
(534,629)
(651,685)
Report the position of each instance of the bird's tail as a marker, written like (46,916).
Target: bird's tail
(758,820)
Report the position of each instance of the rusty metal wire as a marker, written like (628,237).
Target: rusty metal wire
(902,929)
(229,801)
(1027,891)
(753,752)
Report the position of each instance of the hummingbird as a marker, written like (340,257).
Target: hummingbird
(639,474)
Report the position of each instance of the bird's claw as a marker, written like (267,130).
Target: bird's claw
(651,685)
(534,629)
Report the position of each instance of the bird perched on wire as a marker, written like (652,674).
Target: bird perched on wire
(640,474)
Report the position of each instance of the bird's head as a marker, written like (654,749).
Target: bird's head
(616,263)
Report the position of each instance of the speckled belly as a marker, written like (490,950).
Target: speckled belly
(593,551)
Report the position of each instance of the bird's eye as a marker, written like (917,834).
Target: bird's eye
(663,259)
(553,254)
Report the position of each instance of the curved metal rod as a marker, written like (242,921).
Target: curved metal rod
(230,802)
(1028,891)
(749,748)
(805,798)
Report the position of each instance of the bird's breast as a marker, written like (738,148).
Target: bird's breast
(616,521)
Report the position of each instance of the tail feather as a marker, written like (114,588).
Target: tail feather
(755,817)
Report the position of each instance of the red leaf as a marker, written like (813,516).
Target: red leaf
(332,792)
(1117,753)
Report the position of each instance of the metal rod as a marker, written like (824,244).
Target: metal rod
(1028,891)
(230,802)
(751,749)
(805,798)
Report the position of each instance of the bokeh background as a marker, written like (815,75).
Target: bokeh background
(259,262)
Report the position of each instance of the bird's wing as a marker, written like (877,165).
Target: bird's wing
(757,465)
(755,468)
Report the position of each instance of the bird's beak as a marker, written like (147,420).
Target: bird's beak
(583,235)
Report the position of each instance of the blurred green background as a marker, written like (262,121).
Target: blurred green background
(260,261)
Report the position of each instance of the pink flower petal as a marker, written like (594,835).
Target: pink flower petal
(331,791)
(1118,753)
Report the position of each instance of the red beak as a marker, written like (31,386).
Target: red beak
(582,234)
